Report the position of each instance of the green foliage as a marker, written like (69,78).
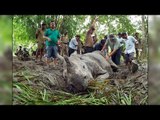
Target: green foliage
(30,96)
(25,26)
(5,64)
(28,93)
(5,32)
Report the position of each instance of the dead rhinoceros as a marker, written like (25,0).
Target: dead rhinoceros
(80,69)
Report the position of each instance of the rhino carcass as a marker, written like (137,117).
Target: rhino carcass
(80,69)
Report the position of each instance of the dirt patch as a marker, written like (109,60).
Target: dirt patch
(39,72)
(39,76)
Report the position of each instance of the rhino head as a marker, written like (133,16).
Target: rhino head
(76,74)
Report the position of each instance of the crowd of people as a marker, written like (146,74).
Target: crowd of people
(51,43)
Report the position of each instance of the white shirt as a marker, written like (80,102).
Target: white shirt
(73,44)
(120,41)
(130,44)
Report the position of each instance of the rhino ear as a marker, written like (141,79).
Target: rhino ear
(67,61)
(68,64)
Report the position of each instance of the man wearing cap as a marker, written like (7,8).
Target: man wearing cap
(115,49)
(73,44)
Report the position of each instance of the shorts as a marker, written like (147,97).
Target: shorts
(52,51)
(41,45)
(129,57)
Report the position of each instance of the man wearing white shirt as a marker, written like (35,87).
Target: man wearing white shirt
(130,42)
(73,44)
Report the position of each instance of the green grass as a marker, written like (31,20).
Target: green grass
(29,96)
(29,93)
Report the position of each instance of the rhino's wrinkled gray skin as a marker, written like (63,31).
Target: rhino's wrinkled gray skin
(80,69)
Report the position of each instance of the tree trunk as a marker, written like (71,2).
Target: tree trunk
(144,36)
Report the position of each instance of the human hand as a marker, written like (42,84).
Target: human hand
(49,39)
(102,50)
(108,57)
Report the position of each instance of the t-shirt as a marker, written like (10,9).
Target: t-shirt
(99,45)
(73,44)
(130,44)
(113,45)
(120,41)
(54,35)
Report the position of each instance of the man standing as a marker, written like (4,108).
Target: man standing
(89,42)
(40,41)
(137,46)
(73,44)
(115,49)
(64,40)
(130,42)
(52,35)
(122,45)
(80,47)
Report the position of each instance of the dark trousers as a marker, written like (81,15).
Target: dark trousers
(137,53)
(122,53)
(88,49)
(70,51)
(116,57)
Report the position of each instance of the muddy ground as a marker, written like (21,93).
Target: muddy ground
(39,76)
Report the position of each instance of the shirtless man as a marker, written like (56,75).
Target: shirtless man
(40,41)
(89,40)
(137,46)
(64,45)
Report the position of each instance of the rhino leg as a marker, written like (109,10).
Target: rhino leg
(101,74)
(103,77)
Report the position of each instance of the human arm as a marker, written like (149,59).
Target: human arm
(104,46)
(94,22)
(92,26)
(37,32)
(116,47)
(75,42)
(95,38)
(134,40)
(45,36)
